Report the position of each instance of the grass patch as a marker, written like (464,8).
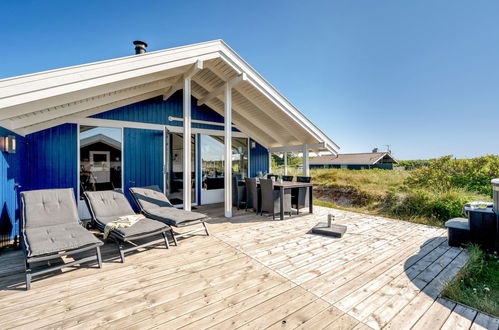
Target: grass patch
(477,284)
(374,182)
(390,194)
(319,202)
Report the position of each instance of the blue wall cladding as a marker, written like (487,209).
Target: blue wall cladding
(52,158)
(157,111)
(143,155)
(259,159)
(11,174)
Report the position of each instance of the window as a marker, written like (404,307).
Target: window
(212,162)
(240,157)
(100,158)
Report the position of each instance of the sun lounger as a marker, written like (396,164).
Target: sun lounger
(108,206)
(155,205)
(51,229)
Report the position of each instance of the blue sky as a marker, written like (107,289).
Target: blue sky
(422,76)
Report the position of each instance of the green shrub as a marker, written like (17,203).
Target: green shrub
(445,173)
(432,193)
(375,181)
(412,164)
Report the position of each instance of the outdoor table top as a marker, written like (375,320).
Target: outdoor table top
(288,184)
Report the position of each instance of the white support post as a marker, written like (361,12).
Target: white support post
(187,181)
(285,163)
(187,186)
(270,162)
(228,151)
(306,170)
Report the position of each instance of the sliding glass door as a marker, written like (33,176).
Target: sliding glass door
(209,161)
(175,171)
(100,158)
(212,168)
(240,157)
(100,161)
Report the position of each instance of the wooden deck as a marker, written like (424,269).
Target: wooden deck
(256,273)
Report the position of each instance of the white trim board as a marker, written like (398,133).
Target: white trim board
(116,123)
(206,131)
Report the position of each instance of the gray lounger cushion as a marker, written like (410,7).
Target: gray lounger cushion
(107,206)
(51,223)
(58,238)
(156,205)
(175,217)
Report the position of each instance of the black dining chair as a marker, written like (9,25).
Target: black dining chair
(270,176)
(300,197)
(238,192)
(306,179)
(252,196)
(271,199)
(287,178)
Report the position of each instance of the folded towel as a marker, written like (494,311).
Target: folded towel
(122,222)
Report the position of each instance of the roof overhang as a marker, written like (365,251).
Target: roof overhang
(317,147)
(38,101)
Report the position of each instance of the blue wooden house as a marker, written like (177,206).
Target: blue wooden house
(185,119)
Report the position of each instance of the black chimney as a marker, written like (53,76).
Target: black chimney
(140,47)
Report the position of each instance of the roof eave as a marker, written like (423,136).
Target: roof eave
(21,98)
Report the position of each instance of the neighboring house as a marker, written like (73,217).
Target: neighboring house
(369,160)
(134,109)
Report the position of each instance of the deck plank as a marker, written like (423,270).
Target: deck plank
(255,273)
(461,318)
(436,315)
(483,321)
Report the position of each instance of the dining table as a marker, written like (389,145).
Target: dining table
(282,186)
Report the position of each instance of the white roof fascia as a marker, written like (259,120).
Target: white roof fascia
(271,92)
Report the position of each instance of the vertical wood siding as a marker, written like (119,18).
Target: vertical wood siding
(156,111)
(11,173)
(52,158)
(143,155)
(259,159)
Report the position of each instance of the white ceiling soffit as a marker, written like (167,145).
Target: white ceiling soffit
(34,102)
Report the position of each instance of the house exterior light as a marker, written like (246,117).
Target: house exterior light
(8,144)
